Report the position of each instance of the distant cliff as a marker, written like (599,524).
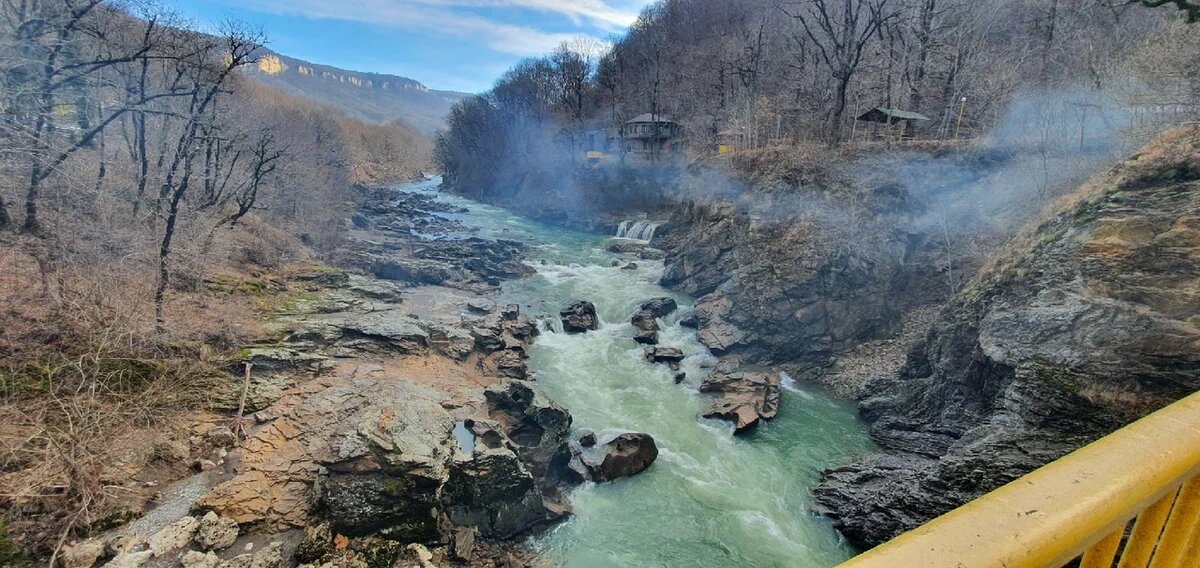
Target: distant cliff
(373,97)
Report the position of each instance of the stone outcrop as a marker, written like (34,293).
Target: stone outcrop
(378,456)
(411,243)
(215,532)
(671,355)
(778,291)
(744,396)
(625,455)
(579,317)
(645,327)
(645,320)
(1083,325)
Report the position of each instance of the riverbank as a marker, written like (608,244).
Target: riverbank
(384,395)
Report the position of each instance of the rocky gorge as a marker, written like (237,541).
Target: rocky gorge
(388,409)
(1085,323)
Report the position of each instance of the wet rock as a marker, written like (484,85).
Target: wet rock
(680,376)
(665,355)
(626,246)
(744,397)
(785,291)
(690,320)
(82,555)
(660,307)
(646,327)
(215,532)
(626,455)
(650,253)
(587,438)
(174,536)
(630,266)
(579,317)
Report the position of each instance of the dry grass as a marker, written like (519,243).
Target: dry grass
(89,389)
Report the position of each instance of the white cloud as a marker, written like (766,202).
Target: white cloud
(452,17)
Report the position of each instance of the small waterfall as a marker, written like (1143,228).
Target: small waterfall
(637,230)
(551,324)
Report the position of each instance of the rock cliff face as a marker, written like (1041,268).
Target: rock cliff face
(777,292)
(1083,325)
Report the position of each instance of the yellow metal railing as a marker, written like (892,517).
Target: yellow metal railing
(1081,505)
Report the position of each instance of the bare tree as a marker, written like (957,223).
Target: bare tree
(840,31)
(207,81)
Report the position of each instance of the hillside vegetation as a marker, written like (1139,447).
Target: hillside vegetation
(151,200)
(761,74)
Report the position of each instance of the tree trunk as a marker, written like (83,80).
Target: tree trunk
(839,109)
(32,225)
(5,220)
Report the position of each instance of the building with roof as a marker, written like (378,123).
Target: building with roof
(650,136)
(892,117)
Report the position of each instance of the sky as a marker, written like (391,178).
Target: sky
(460,45)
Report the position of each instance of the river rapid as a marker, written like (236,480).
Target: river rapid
(710,499)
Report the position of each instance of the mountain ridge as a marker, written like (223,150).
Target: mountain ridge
(370,96)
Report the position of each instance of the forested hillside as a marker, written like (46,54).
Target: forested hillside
(757,73)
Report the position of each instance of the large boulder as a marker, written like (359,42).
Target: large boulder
(1081,326)
(173,536)
(664,354)
(645,327)
(659,307)
(742,396)
(625,455)
(216,532)
(579,317)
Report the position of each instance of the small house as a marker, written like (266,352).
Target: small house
(892,117)
(651,136)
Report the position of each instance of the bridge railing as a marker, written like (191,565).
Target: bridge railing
(1130,499)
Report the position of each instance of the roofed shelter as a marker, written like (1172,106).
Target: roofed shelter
(890,116)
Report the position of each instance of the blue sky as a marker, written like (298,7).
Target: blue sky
(462,45)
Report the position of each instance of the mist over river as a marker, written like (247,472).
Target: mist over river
(710,499)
